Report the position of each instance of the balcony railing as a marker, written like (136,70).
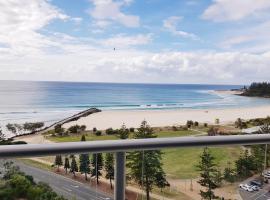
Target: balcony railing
(122,146)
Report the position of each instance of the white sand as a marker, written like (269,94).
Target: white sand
(158,118)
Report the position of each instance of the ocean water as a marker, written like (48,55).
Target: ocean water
(22,101)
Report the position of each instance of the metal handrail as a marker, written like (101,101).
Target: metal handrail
(122,146)
(27,150)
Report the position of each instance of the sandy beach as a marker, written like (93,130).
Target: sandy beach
(158,118)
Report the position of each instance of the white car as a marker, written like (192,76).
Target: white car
(246,187)
(255,187)
(266,175)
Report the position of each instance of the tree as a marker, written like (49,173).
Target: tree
(84,161)
(189,123)
(2,136)
(229,174)
(66,164)
(58,129)
(32,127)
(161,181)
(212,131)
(245,165)
(19,128)
(19,184)
(73,165)
(145,165)
(74,129)
(77,128)
(98,133)
(109,167)
(123,132)
(11,128)
(239,123)
(261,153)
(208,172)
(58,161)
(97,164)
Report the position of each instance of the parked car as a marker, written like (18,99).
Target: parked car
(257,183)
(246,187)
(266,175)
(255,187)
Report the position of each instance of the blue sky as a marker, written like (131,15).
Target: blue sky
(176,41)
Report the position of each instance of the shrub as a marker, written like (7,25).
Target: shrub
(189,123)
(110,131)
(174,128)
(77,129)
(32,127)
(205,125)
(74,129)
(98,133)
(83,128)
(196,123)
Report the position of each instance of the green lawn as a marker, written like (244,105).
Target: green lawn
(77,138)
(181,162)
(36,164)
(92,137)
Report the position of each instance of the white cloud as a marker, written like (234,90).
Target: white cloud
(139,66)
(123,41)
(109,10)
(232,10)
(171,24)
(249,39)
(21,21)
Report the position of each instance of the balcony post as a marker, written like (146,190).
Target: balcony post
(120,176)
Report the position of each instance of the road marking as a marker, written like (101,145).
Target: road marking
(255,194)
(76,186)
(261,195)
(67,189)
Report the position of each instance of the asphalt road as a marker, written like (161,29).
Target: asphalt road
(68,188)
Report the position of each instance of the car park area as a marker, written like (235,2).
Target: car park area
(254,190)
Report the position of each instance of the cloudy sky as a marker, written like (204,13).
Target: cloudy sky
(157,41)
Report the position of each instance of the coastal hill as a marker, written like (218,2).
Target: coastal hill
(257,90)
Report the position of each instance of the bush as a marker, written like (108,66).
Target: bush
(174,128)
(32,127)
(74,129)
(77,129)
(189,123)
(98,133)
(110,131)
(205,125)
(83,128)
(196,123)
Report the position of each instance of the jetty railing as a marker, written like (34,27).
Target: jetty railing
(119,147)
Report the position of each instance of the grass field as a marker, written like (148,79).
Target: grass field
(181,162)
(178,163)
(92,137)
(36,164)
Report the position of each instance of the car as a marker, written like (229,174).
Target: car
(250,188)
(246,187)
(255,187)
(266,176)
(257,183)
